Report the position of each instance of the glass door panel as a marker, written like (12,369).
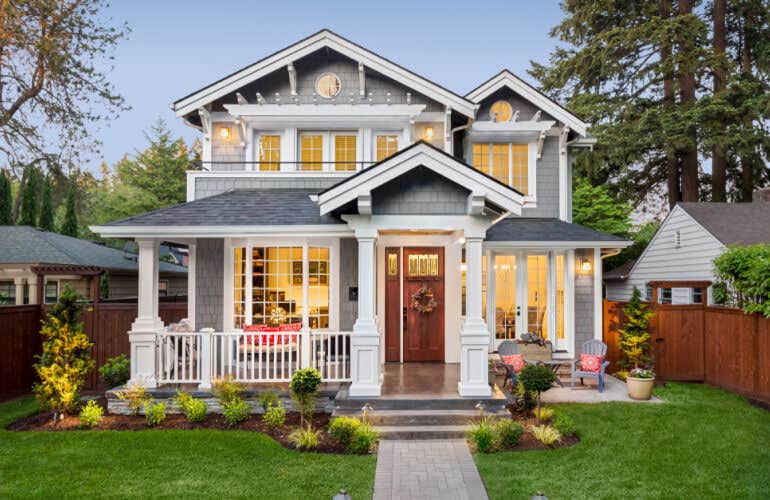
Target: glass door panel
(537,295)
(506,311)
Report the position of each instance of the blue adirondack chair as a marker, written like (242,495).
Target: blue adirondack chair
(508,348)
(590,347)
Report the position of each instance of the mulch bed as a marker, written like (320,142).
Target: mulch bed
(44,422)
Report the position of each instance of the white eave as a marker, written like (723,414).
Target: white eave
(482,187)
(320,40)
(171,232)
(318,115)
(507,79)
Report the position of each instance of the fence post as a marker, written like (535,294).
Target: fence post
(304,343)
(205,358)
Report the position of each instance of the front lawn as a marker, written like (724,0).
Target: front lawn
(701,443)
(155,463)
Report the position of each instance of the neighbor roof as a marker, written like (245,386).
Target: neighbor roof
(733,223)
(546,229)
(621,272)
(27,245)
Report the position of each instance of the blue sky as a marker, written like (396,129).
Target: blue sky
(176,47)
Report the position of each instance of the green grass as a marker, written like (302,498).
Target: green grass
(701,443)
(153,463)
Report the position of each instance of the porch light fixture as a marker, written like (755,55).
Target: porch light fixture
(585,265)
(428,133)
(224,133)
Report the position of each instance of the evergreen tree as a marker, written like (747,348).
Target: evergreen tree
(70,224)
(592,206)
(6,214)
(29,200)
(634,337)
(46,210)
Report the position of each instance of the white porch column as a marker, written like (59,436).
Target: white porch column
(32,289)
(598,310)
(474,336)
(19,284)
(365,341)
(191,286)
(145,328)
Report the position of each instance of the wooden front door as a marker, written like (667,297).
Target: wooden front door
(423,284)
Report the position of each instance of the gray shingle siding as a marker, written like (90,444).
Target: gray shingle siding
(210,186)
(348,278)
(526,109)
(420,192)
(209,296)
(584,300)
(547,182)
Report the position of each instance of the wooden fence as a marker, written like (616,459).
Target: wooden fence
(723,347)
(105,323)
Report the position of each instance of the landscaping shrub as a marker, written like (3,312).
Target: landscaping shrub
(525,400)
(116,371)
(536,378)
(508,432)
(155,413)
(545,413)
(235,411)
(545,434)
(194,409)
(275,416)
(226,389)
(363,439)
(343,428)
(304,438)
(743,275)
(271,397)
(304,387)
(565,425)
(634,337)
(66,360)
(136,396)
(91,415)
(482,435)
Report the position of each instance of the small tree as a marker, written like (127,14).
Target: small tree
(743,275)
(29,201)
(304,387)
(46,209)
(634,337)
(6,203)
(66,359)
(69,226)
(537,379)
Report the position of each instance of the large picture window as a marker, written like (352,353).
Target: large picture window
(269,153)
(344,152)
(508,163)
(311,152)
(271,286)
(386,145)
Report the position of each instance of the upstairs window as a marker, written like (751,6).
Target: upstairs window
(269,153)
(508,163)
(344,152)
(328,85)
(328,151)
(387,145)
(501,111)
(311,152)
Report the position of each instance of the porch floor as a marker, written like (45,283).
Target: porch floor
(424,380)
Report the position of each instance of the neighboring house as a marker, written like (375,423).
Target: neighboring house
(36,265)
(338,188)
(679,261)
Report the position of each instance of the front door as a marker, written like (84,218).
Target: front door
(423,299)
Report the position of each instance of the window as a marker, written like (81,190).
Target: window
(51,292)
(697,295)
(311,152)
(269,152)
(648,293)
(277,288)
(163,288)
(386,145)
(423,265)
(508,163)
(7,293)
(501,111)
(560,286)
(328,85)
(345,152)
(505,297)
(664,295)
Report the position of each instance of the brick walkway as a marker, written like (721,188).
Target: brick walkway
(426,469)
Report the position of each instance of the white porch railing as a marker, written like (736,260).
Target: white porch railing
(201,357)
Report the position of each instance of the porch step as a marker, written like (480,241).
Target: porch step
(413,432)
(417,417)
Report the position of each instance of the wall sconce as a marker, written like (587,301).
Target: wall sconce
(224,133)
(428,134)
(585,265)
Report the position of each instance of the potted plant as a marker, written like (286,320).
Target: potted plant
(535,347)
(634,344)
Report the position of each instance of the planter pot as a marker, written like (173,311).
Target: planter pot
(536,352)
(640,388)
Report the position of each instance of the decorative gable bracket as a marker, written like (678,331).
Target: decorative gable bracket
(476,202)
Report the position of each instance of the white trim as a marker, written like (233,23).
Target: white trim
(420,155)
(191,283)
(565,212)
(598,313)
(565,245)
(222,231)
(322,39)
(569,301)
(507,79)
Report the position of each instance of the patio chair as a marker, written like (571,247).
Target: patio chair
(508,348)
(595,347)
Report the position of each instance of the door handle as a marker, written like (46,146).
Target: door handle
(518,310)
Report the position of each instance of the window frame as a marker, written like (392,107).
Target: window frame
(316,87)
(328,149)
(385,133)
(509,110)
(530,196)
(256,149)
(45,291)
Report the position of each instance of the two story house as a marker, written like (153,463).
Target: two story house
(381,216)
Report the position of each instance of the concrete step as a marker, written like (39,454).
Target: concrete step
(412,432)
(420,404)
(418,417)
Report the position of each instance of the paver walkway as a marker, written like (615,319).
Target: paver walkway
(426,469)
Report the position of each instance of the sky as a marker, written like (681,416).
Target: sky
(176,47)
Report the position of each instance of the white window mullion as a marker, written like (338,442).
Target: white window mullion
(305,284)
(510,164)
(248,288)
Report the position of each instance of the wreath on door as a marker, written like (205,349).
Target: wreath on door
(423,301)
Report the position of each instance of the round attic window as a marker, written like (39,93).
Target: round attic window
(328,85)
(501,111)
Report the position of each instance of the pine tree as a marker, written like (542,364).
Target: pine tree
(6,214)
(29,200)
(46,210)
(69,226)
(634,337)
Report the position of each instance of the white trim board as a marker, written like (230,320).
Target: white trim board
(165,232)
(507,79)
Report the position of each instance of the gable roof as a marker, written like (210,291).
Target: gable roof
(621,272)
(732,223)
(506,78)
(28,245)
(549,229)
(420,154)
(322,39)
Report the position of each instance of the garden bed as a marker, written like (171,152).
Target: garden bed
(44,422)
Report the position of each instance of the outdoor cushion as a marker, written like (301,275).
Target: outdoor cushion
(515,360)
(263,339)
(290,327)
(591,362)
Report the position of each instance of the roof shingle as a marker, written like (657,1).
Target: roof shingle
(733,223)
